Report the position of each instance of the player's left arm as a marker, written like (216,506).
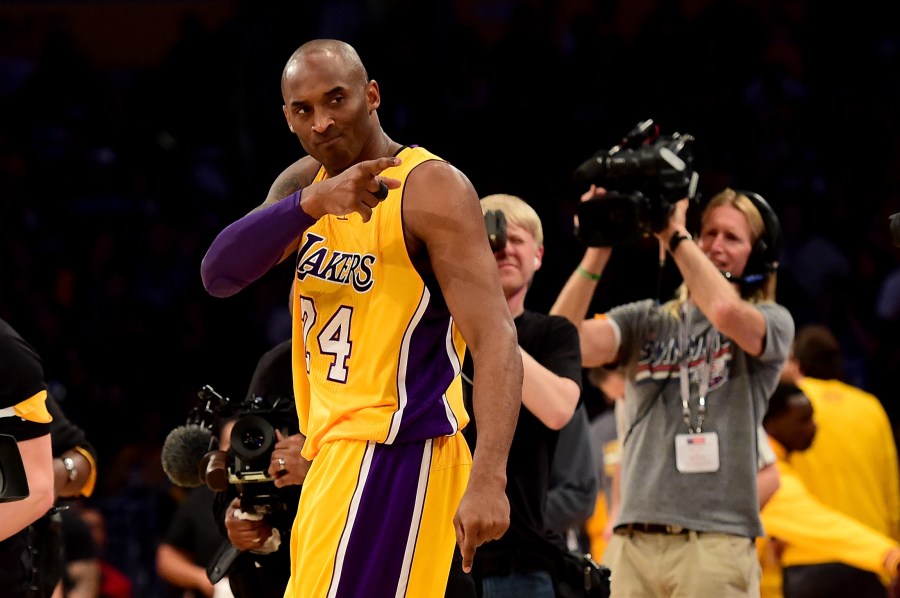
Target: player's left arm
(443,216)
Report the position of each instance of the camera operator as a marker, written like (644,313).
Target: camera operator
(699,371)
(524,560)
(263,567)
(243,460)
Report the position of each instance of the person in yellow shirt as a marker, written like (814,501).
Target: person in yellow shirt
(852,465)
(806,531)
(393,281)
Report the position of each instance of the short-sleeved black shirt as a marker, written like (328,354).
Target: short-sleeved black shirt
(21,377)
(553,342)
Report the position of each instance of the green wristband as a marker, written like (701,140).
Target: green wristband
(589,275)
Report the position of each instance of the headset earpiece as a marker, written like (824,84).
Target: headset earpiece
(767,249)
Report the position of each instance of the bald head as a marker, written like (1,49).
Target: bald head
(331,105)
(341,53)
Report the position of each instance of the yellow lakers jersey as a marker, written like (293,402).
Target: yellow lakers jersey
(376,355)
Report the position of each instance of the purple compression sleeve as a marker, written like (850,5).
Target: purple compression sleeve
(247,248)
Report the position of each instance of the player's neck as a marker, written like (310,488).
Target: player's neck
(390,147)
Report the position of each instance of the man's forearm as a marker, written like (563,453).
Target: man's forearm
(548,396)
(719,300)
(576,295)
(38,461)
(496,399)
(249,247)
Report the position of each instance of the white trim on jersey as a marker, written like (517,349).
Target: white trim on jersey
(351,518)
(424,470)
(403,364)
(454,361)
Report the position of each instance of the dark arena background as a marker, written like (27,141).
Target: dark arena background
(131,132)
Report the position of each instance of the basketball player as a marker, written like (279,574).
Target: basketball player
(394,278)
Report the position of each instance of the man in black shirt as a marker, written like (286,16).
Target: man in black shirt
(523,562)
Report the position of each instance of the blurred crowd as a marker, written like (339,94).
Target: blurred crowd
(114,180)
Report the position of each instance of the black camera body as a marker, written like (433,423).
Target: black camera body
(497,230)
(245,464)
(253,439)
(645,175)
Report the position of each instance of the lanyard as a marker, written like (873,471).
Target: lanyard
(684,371)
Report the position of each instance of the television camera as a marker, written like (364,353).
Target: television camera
(644,175)
(191,455)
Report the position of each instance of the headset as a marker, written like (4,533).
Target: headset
(763,258)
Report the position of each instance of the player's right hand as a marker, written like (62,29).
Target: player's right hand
(482,515)
(351,191)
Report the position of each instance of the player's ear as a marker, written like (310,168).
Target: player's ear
(373,95)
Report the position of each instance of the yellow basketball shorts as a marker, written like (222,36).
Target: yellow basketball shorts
(377,520)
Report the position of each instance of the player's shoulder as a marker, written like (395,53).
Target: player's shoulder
(435,177)
(419,153)
(298,175)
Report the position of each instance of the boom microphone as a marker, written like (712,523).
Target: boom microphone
(183,452)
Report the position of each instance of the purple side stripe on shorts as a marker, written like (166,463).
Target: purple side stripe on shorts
(381,532)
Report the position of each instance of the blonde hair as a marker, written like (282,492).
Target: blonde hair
(743,204)
(517,212)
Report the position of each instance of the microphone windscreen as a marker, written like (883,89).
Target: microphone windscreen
(183,452)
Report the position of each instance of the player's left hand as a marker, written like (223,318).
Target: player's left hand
(288,467)
(482,515)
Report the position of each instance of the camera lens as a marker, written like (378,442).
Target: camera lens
(252,439)
(252,436)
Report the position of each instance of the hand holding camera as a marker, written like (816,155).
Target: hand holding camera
(288,467)
(677,222)
(243,532)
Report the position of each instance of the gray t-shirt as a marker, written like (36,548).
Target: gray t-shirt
(653,490)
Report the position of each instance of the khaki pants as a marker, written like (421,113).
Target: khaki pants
(686,565)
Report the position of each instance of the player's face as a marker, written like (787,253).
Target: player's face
(726,239)
(518,260)
(329,106)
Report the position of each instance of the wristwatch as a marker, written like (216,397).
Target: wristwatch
(676,239)
(71,472)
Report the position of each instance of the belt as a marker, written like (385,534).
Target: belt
(626,529)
